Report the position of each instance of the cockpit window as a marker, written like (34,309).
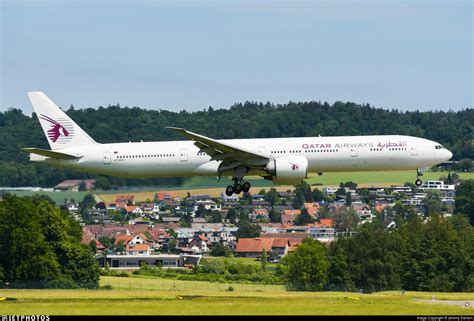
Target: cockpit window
(439,147)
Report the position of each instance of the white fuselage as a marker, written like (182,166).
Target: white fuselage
(324,154)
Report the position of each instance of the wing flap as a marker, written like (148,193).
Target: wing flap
(217,149)
(50,153)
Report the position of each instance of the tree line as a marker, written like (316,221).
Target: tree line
(40,246)
(418,256)
(243,120)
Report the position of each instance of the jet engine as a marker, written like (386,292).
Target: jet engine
(287,169)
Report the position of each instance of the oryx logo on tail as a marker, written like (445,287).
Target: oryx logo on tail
(57,130)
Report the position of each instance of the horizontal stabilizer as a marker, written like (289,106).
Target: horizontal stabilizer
(50,153)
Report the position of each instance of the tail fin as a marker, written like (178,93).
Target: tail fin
(60,130)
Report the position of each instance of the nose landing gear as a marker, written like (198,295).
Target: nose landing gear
(418,181)
(238,187)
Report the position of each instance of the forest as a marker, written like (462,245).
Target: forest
(243,120)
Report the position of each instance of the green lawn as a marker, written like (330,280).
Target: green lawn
(131,296)
(398,177)
(365,178)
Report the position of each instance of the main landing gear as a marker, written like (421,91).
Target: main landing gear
(418,181)
(238,187)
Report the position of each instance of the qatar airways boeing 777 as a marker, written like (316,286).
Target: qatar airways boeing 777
(282,160)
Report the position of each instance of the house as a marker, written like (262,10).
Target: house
(312,208)
(138,239)
(133,209)
(72,207)
(100,248)
(363,210)
(138,249)
(322,234)
(253,247)
(126,199)
(330,189)
(164,196)
(234,198)
(136,228)
(295,238)
(199,244)
(73,185)
(160,235)
(325,222)
(124,238)
(200,198)
(288,217)
(208,205)
(258,213)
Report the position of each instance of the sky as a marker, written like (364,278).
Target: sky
(175,55)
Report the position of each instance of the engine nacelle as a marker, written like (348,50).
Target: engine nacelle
(287,169)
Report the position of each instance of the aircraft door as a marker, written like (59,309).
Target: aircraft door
(413,150)
(183,155)
(261,150)
(354,152)
(107,158)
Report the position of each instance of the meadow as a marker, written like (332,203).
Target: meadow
(209,185)
(205,185)
(135,296)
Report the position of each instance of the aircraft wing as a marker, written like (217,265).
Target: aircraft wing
(50,153)
(220,151)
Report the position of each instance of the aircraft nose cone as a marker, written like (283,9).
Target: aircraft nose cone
(448,155)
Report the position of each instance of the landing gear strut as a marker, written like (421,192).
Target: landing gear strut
(418,181)
(238,187)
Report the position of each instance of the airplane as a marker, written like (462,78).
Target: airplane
(281,160)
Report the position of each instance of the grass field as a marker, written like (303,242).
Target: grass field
(208,185)
(133,296)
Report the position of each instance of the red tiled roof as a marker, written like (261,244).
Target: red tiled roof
(158,233)
(137,247)
(160,196)
(99,245)
(380,207)
(260,211)
(205,239)
(260,244)
(124,238)
(291,212)
(325,222)
(254,245)
(280,242)
(131,208)
(138,228)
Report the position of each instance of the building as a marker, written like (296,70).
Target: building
(322,234)
(164,196)
(135,261)
(125,199)
(73,185)
(288,217)
(330,189)
(254,247)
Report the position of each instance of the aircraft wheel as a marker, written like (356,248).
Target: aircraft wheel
(418,182)
(229,190)
(246,187)
(238,188)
